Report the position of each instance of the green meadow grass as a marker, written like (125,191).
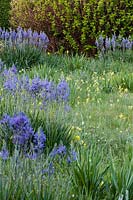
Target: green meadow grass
(101,122)
(101,95)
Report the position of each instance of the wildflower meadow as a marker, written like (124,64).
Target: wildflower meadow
(66,120)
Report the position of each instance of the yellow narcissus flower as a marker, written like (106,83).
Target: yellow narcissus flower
(121,116)
(76,138)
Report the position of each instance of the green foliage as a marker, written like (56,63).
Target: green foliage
(88,173)
(54,126)
(124,81)
(119,55)
(4,13)
(121,179)
(74,25)
(22,56)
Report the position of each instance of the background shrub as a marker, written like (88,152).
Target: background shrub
(73,25)
(4,13)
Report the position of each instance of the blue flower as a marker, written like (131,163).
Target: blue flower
(5,120)
(25,34)
(72,157)
(11,84)
(24,83)
(32,155)
(35,35)
(21,128)
(49,91)
(13,69)
(63,91)
(36,86)
(100,42)
(23,135)
(107,43)
(4,154)
(129,45)
(39,140)
(7,35)
(20,36)
(29,32)
(61,150)
(13,35)
(43,37)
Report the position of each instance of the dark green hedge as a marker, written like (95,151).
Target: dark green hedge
(73,25)
(4,13)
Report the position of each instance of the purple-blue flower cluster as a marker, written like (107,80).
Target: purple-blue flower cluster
(63,91)
(24,37)
(39,141)
(36,86)
(60,150)
(59,154)
(112,43)
(22,133)
(46,90)
(21,128)
(11,81)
